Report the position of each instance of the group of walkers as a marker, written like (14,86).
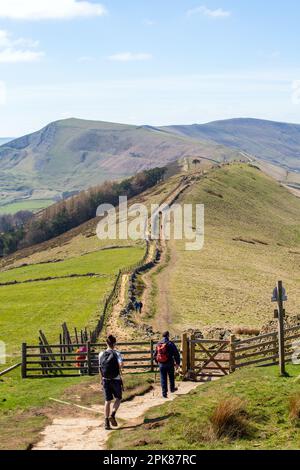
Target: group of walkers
(110,365)
(138,306)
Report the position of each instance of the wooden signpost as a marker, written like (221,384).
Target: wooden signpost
(279,296)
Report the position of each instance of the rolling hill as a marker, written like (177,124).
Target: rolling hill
(252,239)
(73,154)
(275,142)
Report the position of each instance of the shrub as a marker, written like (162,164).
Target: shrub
(294,407)
(243,331)
(229,419)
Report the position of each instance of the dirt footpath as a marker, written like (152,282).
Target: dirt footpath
(87,432)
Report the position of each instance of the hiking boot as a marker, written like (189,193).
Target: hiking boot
(174,390)
(107,424)
(165,395)
(113,421)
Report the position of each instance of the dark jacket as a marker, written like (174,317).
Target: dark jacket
(173,353)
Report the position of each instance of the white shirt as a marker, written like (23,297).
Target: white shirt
(119,356)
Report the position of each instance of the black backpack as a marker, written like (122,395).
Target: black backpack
(109,365)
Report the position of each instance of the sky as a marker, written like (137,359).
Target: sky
(155,62)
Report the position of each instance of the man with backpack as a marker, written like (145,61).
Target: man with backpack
(110,365)
(167,357)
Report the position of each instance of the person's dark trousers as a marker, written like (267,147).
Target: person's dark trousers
(167,370)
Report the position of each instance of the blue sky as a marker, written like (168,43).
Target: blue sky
(147,61)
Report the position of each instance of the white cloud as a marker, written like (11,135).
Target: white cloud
(203,10)
(130,57)
(49,9)
(3,93)
(13,51)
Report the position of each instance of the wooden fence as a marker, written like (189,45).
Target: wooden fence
(201,358)
(61,361)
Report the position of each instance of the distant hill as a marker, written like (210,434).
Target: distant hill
(73,154)
(4,140)
(275,142)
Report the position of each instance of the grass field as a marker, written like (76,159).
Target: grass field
(104,262)
(264,421)
(26,308)
(252,239)
(32,205)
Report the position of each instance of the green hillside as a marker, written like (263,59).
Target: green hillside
(260,419)
(74,154)
(57,293)
(45,295)
(252,239)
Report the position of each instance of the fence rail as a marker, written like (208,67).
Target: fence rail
(55,362)
(10,369)
(200,357)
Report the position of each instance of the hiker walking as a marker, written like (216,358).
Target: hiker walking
(82,360)
(110,365)
(168,358)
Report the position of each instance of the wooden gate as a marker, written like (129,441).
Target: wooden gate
(204,358)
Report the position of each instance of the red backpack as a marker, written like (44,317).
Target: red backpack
(162,354)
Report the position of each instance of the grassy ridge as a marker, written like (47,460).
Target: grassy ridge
(252,238)
(185,424)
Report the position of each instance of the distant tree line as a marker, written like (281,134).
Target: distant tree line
(70,213)
(12,230)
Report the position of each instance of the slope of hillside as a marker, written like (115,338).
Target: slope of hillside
(187,424)
(74,154)
(275,142)
(252,239)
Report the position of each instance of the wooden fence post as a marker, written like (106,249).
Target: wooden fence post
(89,358)
(24,361)
(192,350)
(232,364)
(281,329)
(184,349)
(151,352)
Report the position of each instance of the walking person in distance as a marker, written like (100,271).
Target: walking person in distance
(110,365)
(168,358)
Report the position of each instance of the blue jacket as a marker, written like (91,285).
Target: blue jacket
(173,353)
